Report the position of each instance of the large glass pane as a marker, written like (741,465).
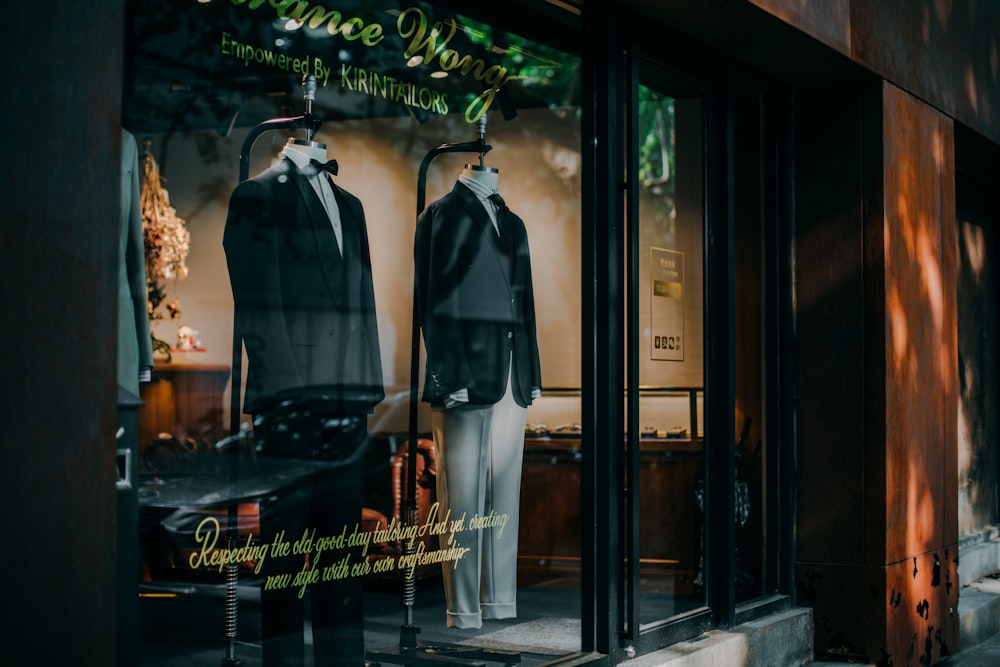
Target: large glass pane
(283,528)
(671,377)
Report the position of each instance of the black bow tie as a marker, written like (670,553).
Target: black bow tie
(330,167)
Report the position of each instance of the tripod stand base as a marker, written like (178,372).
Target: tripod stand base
(442,655)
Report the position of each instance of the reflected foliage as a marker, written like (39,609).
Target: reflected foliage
(656,143)
(182,73)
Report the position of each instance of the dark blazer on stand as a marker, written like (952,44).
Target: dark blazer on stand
(135,347)
(476,306)
(305,313)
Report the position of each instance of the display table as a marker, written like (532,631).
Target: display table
(184,400)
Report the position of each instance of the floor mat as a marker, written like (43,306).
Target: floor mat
(549,636)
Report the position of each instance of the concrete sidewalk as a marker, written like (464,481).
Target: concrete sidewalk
(984,654)
(979,609)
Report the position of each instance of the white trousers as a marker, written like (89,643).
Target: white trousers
(479,453)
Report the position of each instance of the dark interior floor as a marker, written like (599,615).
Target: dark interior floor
(186,627)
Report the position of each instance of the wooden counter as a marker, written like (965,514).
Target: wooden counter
(549,532)
(183,400)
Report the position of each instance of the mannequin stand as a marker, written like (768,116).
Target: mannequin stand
(410,651)
(311,124)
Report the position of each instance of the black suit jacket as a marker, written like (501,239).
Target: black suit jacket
(306,315)
(476,306)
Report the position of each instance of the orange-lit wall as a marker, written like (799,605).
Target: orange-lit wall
(877,519)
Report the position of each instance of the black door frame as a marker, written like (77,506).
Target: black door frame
(608,501)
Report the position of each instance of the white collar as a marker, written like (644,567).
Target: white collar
(302,162)
(481,191)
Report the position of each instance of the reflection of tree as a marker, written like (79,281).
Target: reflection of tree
(656,142)
(540,75)
(178,77)
(656,164)
(178,81)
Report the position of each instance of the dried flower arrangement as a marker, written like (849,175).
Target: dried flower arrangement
(167,242)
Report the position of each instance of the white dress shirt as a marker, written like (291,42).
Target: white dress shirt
(482,193)
(320,182)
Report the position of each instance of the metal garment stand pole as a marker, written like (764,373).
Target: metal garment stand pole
(308,122)
(410,651)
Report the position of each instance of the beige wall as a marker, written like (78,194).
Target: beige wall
(539,161)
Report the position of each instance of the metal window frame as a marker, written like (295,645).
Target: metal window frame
(609,497)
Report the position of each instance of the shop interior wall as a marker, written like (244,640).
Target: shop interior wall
(674,222)
(58,286)
(539,161)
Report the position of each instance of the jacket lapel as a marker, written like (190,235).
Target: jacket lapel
(478,213)
(350,221)
(331,262)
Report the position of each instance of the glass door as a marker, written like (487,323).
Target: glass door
(665,478)
(646,222)
(685,250)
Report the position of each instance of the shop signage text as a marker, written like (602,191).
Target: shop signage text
(343,554)
(249,53)
(431,42)
(666,315)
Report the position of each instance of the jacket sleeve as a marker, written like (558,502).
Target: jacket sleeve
(250,241)
(135,261)
(528,313)
(368,314)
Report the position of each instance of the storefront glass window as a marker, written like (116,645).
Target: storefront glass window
(303,202)
(671,355)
